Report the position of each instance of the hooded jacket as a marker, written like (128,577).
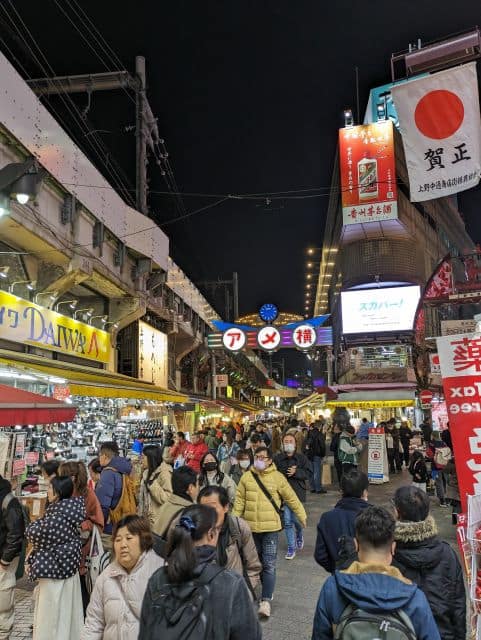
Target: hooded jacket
(373,588)
(303,471)
(433,565)
(109,487)
(252,505)
(12,525)
(331,526)
(114,609)
(55,539)
(167,513)
(233,616)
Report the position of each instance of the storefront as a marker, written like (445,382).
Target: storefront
(312,408)
(376,404)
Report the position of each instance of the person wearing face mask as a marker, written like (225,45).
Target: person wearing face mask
(298,470)
(244,461)
(260,494)
(211,475)
(192,596)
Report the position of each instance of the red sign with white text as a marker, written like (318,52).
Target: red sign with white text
(368,173)
(460,358)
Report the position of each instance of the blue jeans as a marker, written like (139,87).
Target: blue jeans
(292,527)
(266,545)
(316,473)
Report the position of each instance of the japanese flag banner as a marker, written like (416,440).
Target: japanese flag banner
(441,130)
(460,361)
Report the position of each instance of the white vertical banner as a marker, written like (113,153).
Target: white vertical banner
(441,130)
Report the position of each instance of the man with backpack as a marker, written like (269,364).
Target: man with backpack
(315,448)
(372,599)
(439,454)
(12,534)
(114,489)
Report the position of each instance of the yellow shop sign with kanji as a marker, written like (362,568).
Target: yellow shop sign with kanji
(28,323)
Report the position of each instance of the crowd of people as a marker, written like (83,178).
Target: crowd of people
(191,549)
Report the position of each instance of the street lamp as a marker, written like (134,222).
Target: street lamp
(52,294)
(71,303)
(19,180)
(87,311)
(103,320)
(4,272)
(30,284)
(115,325)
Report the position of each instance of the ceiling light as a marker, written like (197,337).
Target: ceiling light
(309,276)
(22,198)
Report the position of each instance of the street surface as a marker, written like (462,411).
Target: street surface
(298,581)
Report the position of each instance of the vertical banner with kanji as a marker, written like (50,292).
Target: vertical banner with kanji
(460,360)
(368,174)
(441,131)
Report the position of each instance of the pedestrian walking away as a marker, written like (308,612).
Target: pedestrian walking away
(315,449)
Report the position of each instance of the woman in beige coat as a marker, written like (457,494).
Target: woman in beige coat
(116,600)
(156,485)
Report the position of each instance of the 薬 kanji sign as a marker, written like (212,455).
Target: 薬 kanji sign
(460,360)
(441,131)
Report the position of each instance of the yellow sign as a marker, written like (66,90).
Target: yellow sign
(229,392)
(28,323)
(370,404)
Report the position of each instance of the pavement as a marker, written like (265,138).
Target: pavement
(298,581)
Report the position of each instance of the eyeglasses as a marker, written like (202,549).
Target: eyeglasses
(261,457)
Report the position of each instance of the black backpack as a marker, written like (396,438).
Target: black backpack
(190,618)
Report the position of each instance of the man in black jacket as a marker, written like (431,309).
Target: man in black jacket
(297,469)
(335,530)
(430,562)
(315,448)
(12,531)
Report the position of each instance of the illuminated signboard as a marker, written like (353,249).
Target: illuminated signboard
(28,323)
(153,355)
(379,310)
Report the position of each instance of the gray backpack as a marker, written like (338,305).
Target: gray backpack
(356,624)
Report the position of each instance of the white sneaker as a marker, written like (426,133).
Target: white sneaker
(265,609)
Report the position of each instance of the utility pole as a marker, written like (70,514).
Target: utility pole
(212,285)
(146,130)
(214,375)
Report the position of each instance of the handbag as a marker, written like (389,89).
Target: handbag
(97,560)
(262,487)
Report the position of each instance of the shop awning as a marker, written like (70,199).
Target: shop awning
(374,399)
(238,405)
(22,407)
(83,381)
(314,399)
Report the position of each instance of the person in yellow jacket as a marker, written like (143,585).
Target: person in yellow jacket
(260,494)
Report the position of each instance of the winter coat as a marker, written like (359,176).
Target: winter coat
(315,444)
(236,472)
(116,601)
(154,491)
(167,513)
(405,435)
(241,535)
(220,479)
(433,565)
(347,452)
(303,472)
(56,542)
(225,452)
(331,526)
(229,600)
(452,484)
(109,487)
(94,516)
(419,470)
(12,525)
(373,588)
(252,505)
(194,455)
(180,450)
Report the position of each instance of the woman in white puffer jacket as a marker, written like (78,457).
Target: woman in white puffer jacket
(116,601)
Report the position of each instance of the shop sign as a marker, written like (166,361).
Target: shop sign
(434,363)
(234,339)
(377,456)
(371,404)
(31,458)
(453,327)
(368,173)
(153,355)
(229,391)
(269,338)
(460,358)
(222,380)
(18,467)
(61,392)
(28,323)
(304,336)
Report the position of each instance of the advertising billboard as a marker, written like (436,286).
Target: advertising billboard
(368,173)
(153,355)
(379,310)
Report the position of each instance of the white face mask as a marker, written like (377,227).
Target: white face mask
(289,447)
(244,464)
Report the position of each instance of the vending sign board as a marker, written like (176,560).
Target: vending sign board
(377,456)
(368,173)
(460,359)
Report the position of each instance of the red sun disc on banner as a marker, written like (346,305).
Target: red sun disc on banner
(439,114)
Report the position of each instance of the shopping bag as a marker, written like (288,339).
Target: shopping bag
(326,477)
(97,560)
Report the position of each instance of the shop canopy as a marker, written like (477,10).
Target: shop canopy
(374,399)
(314,399)
(22,407)
(85,381)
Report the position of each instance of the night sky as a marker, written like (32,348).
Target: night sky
(249,96)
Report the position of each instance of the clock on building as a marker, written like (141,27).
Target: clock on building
(268,312)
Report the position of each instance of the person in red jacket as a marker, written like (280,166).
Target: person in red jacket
(180,447)
(196,451)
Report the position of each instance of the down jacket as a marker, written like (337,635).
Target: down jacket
(433,565)
(55,539)
(116,602)
(252,505)
(109,487)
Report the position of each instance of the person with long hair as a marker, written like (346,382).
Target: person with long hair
(115,605)
(227,451)
(54,563)
(192,594)
(156,484)
(93,512)
(210,474)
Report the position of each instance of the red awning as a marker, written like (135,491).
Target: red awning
(23,407)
